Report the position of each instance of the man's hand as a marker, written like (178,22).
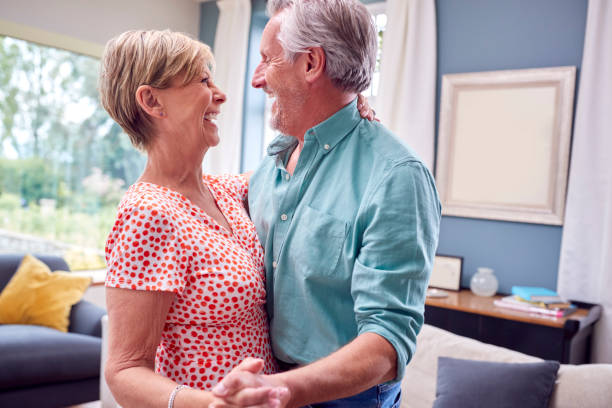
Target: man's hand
(245,386)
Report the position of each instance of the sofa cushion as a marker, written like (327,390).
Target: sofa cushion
(33,355)
(35,295)
(491,384)
(10,262)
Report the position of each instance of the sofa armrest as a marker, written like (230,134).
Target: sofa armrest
(585,385)
(85,318)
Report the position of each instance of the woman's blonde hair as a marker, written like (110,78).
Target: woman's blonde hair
(153,58)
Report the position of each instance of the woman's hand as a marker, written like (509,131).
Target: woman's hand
(246,387)
(365,110)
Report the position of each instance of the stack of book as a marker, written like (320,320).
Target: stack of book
(536,300)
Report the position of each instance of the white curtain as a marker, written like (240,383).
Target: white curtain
(231,46)
(406,100)
(585,269)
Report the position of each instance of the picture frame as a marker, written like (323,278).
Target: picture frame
(504,143)
(446,272)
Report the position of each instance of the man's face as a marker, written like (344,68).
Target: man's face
(280,80)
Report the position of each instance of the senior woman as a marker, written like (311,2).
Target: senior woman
(185,283)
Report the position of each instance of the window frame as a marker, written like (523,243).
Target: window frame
(376,8)
(51,39)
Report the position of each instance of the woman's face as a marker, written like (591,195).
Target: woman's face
(191,110)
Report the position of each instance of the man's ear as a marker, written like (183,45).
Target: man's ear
(315,64)
(148,101)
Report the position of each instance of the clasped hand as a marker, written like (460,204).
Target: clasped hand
(245,386)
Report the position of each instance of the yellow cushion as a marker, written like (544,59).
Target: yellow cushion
(34,295)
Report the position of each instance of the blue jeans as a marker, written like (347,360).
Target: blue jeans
(379,396)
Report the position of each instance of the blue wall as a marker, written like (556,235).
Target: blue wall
(254,99)
(209,14)
(483,35)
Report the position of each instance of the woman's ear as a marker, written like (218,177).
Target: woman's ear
(148,101)
(315,64)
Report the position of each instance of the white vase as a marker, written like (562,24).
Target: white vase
(484,282)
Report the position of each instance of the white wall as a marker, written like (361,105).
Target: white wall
(96,21)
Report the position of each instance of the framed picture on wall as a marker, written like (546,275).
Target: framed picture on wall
(504,142)
(446,272)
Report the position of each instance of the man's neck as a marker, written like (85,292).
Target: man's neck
(320,106)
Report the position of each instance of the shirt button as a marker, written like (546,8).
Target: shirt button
(284,217)
(287,177)
(326,147)
(274,264)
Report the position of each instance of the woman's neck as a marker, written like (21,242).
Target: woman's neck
(174,165)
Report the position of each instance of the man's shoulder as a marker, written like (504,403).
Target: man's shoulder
(385,146)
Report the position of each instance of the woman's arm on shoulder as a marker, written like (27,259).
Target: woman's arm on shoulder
(365,110)
(247,176)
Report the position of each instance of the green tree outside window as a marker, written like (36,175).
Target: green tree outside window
(64,164)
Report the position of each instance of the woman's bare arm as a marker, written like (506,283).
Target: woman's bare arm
(136,320)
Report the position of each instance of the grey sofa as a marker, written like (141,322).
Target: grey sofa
(42,367)
(577,386)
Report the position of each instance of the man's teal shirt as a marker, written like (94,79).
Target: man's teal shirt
(349,238)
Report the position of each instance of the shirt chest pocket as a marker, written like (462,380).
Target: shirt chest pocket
(318,240)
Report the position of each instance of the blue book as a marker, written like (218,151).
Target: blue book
(535,294)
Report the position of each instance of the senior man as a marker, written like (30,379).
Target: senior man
(348,216)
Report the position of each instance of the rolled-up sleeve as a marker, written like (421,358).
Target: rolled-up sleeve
(399,234)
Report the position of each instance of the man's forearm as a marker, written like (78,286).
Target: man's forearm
(363,363)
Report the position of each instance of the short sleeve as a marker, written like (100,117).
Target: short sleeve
(235,184)
(143,251)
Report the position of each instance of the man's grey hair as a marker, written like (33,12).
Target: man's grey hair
(343,28)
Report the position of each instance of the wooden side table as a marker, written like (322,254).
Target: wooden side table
(565,339)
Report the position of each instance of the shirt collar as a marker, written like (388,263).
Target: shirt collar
(327,133)
(280,144)
(333,129)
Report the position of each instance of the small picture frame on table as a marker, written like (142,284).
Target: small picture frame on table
(446,272)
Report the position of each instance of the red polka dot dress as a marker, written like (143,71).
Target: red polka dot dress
(163,242)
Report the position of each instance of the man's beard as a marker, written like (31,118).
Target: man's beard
(286,114)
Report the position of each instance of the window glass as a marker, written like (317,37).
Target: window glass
(64,163)
(380,20)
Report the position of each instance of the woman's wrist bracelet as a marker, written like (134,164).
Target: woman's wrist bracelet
(173,394)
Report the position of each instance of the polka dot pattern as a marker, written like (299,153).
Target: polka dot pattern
(163,242)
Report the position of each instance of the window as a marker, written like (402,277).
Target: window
(64,164)
(378,11)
